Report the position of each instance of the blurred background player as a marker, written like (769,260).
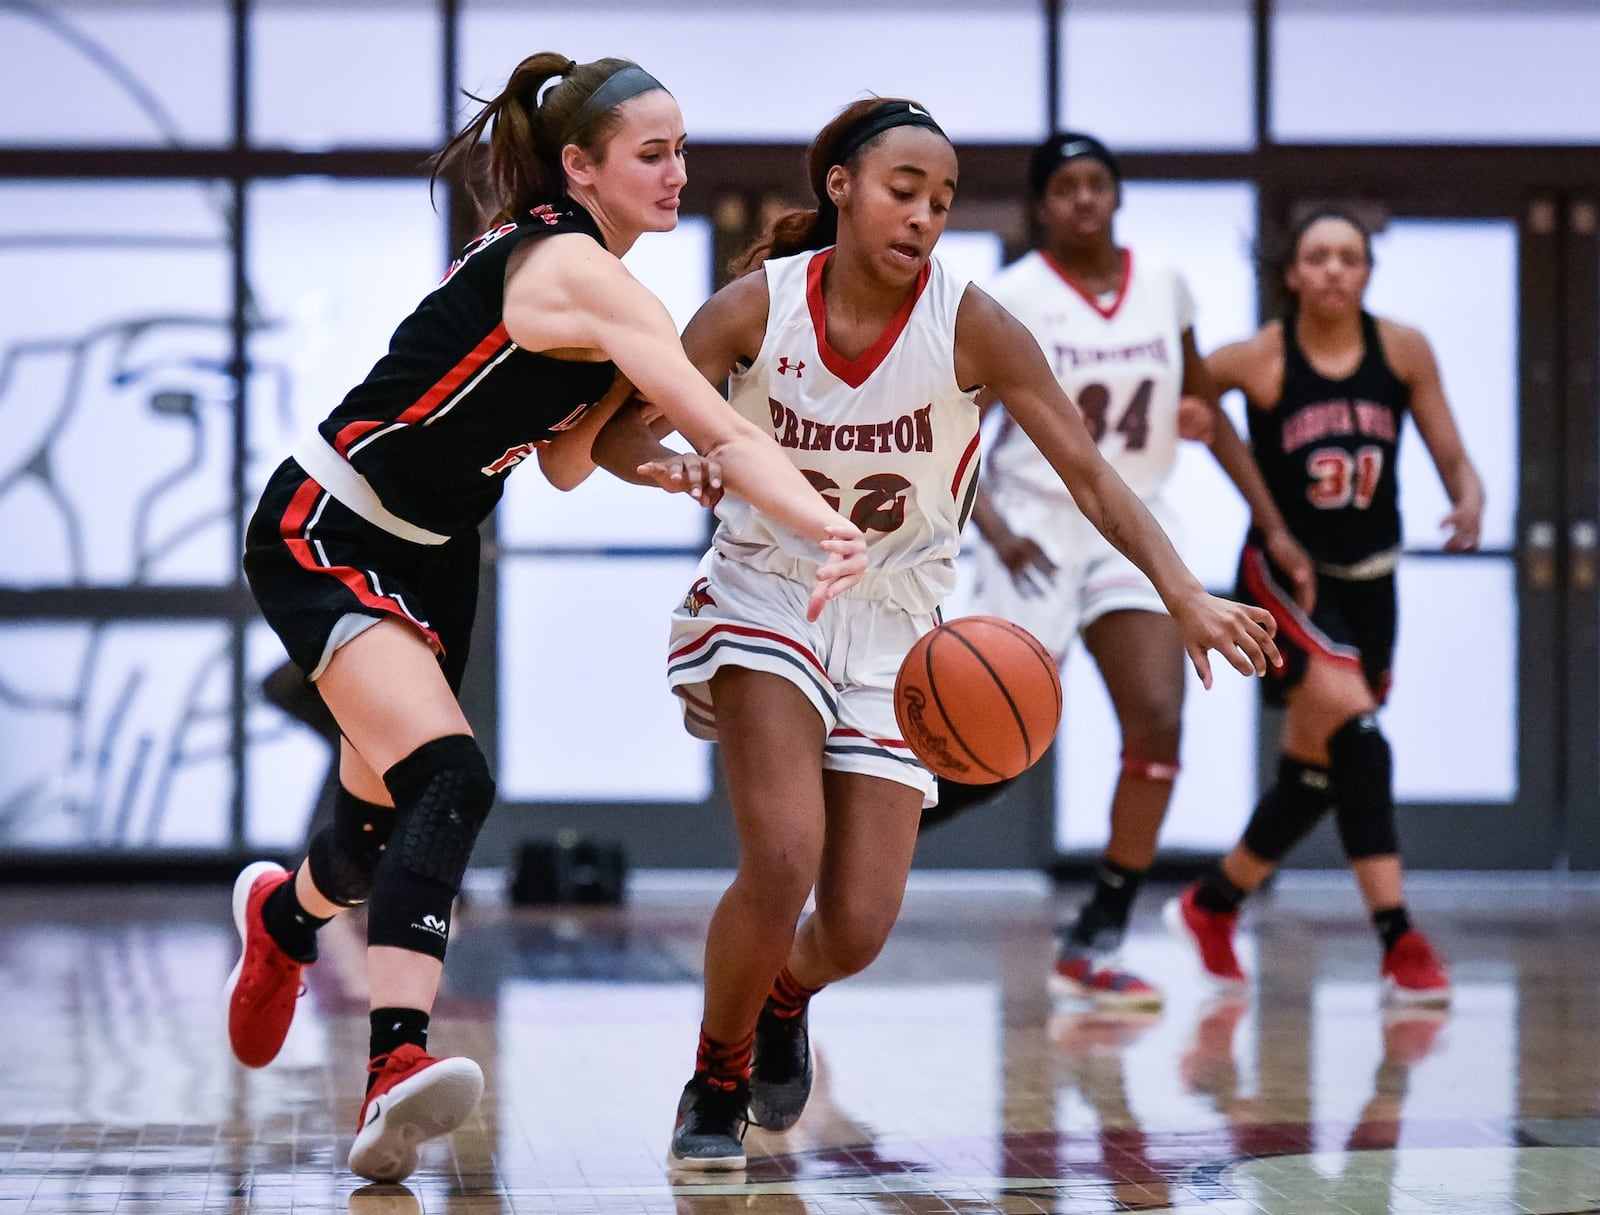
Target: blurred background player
(349,553)
(864,354)
(1118,332)
(1329,387)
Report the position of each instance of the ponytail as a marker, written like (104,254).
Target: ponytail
(539,112)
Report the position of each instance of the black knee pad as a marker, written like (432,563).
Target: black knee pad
(344,856)
(1289,810)
(442,793)
(1362,769)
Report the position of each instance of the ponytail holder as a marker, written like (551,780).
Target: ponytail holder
(555,82)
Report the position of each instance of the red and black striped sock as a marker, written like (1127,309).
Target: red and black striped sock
(725,1064)
(789,997)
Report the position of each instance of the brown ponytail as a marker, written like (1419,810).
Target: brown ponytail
(527,133)
(818,227)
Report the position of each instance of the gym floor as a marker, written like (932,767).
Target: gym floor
(948,1080)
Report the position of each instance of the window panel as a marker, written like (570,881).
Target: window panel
(1158,73)
(334,267)
(354,72)
(114,736)
(101,73)
(1456,74)
(774,72)
(1421,266)
(117,406)
(286,762)
(583,652)
(1452,717)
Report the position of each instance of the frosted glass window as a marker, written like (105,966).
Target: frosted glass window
(347,73)
(585,713)
(1159,73)
(286,762)
(1421,265)
(101,73)
(114,736)
(1452,717)
(971,254)
(334,267)
(775,72)
(115,402)
(1504,73)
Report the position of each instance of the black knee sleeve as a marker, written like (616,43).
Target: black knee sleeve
(1362,770)
(442,794)
(1289,810)
(344,855)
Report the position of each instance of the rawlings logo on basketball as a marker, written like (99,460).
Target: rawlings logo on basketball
(699,596)
(930,747)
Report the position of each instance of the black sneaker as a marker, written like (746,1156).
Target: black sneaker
(709,1135)
(780,1072)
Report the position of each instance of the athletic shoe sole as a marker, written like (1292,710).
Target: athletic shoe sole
(241,904)
(1172,917)
(1063,988)
(705,1164)
(432,1103)
(1411,997)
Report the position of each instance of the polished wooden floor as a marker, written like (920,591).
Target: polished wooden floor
(947,1079)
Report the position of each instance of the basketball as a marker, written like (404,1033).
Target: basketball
(978,699)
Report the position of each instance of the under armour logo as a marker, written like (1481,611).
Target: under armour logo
(784,366)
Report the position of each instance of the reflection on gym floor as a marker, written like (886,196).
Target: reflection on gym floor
(947,1079)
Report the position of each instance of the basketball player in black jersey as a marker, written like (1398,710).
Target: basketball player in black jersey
(1328,388)
(363,553)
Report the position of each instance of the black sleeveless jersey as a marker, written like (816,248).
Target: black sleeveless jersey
(1327,452)
(455,404)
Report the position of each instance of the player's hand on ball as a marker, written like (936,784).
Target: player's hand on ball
(846,547)
(1240,633)
(691,474)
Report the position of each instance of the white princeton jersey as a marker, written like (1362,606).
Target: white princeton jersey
(889,439)
(1119,357)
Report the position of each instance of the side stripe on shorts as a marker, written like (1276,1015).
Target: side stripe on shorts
(700,652)
(1290,618)
(843,740)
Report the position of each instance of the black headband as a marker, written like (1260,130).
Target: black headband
(883,118)
(622,85)
(1062,147)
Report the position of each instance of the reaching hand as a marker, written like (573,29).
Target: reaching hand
(1031,569)
(1197,420)
(1240,633)
(1287,554)
(1463,525)
(847,561)
(690,474)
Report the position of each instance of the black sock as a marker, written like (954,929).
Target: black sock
(1392,923)
(1216,893)
(1115,888)
(291,925)
(393,1028)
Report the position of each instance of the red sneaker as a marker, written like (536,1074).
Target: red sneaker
(1413,974)
(259,996)
(1211,933)
(414,1098)
(1099,980)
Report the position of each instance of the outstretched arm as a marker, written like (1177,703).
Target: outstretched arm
(996,350)
(570,295)
(1414,361)
(1235,459)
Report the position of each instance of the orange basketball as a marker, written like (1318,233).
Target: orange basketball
(978,699)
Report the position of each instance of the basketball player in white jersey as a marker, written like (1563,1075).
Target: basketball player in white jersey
(864,354)
(1117,330)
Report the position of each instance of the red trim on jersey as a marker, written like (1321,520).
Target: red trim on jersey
(351,434)
(847,732)
(746,631)
(1290,618)
(291,528)
(961,469)
(1122,292)
(854,372)
(456,376)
